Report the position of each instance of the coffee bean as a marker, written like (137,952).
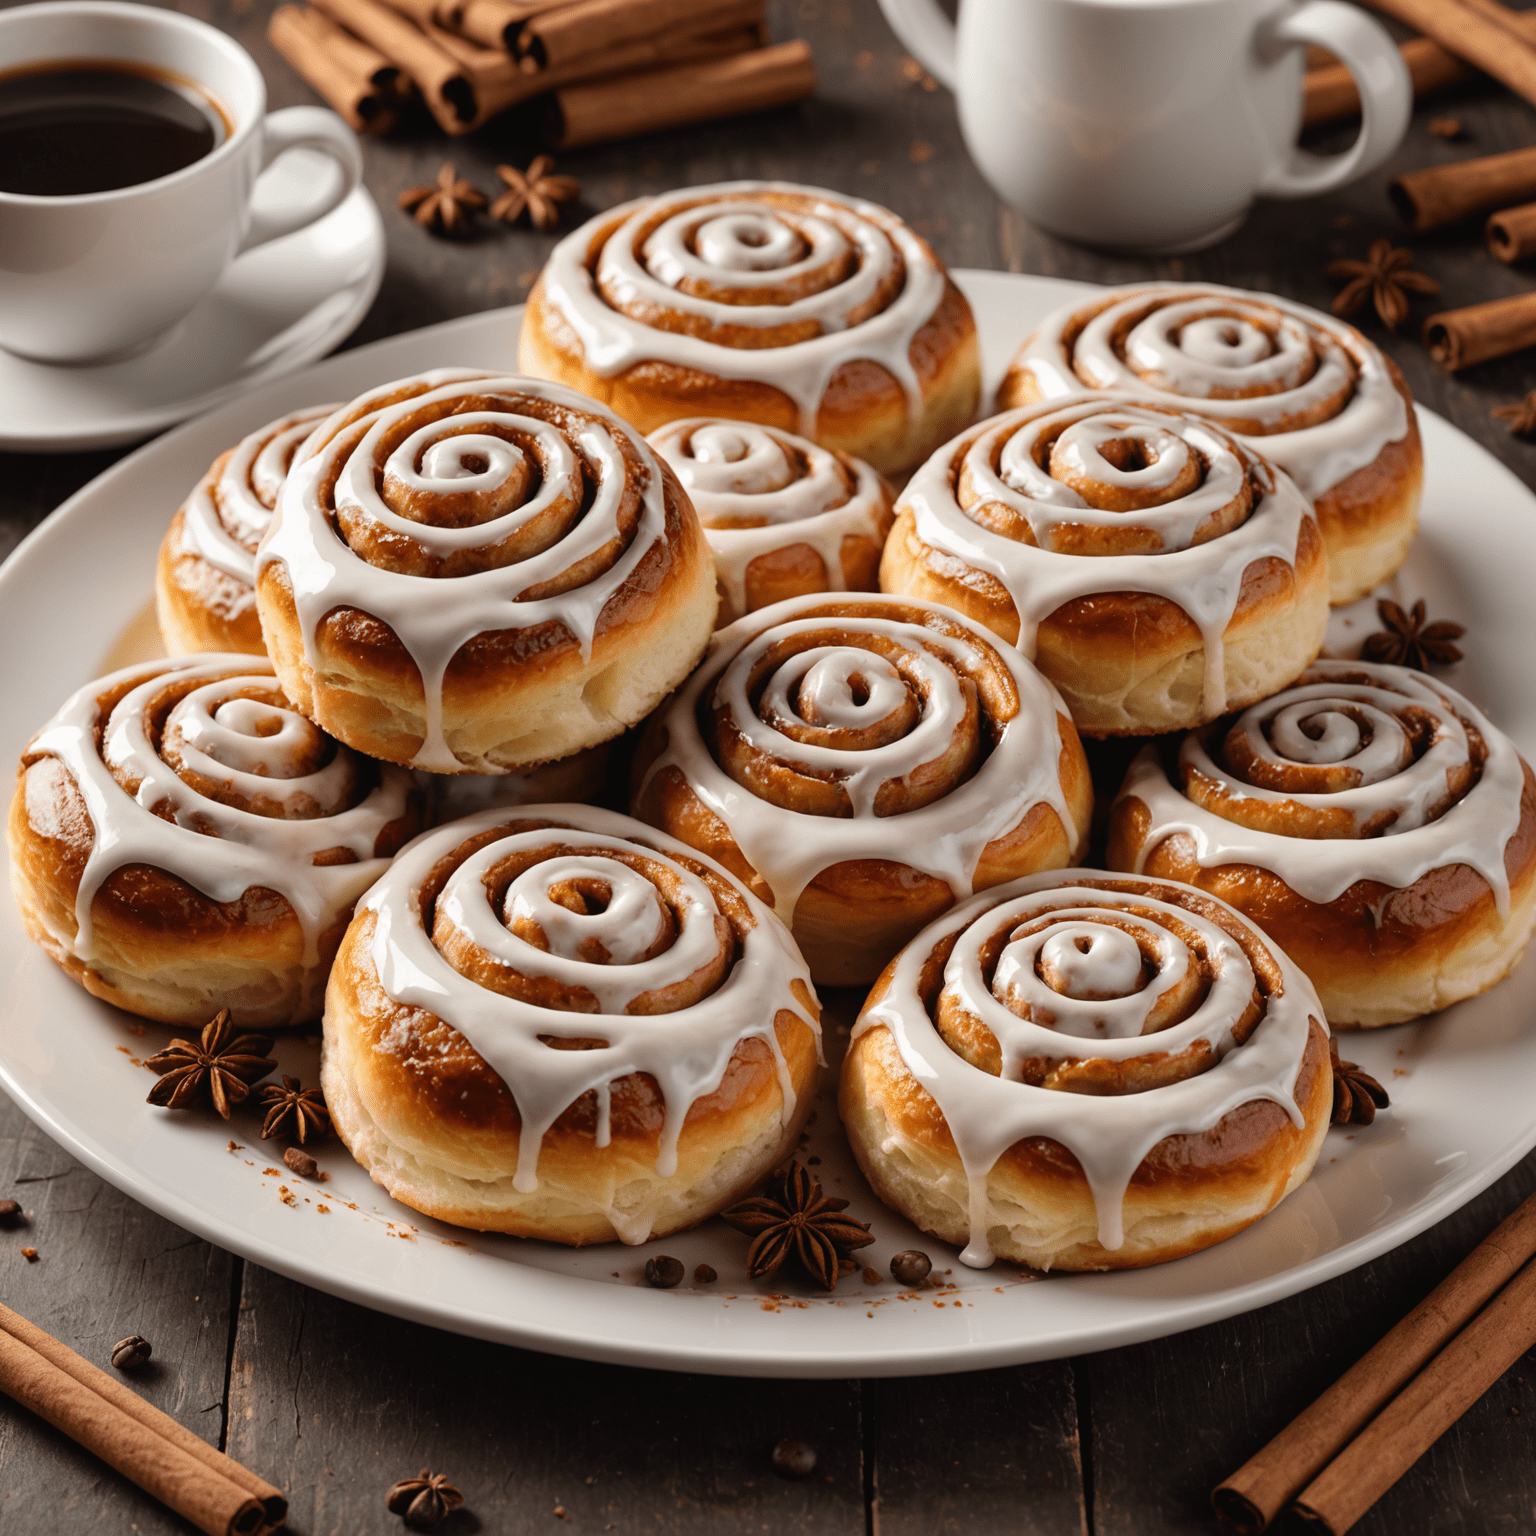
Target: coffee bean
(911,1267)
(663,1272)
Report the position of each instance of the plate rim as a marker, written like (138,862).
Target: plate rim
(704,1354)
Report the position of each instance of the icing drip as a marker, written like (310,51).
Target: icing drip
(1092,1011)
(1202,510)
(1311,393)
(657,924)
(225,516)
(847,278)
(757,490)
(282,798)
(1408,789)
(441,504)
(859,696)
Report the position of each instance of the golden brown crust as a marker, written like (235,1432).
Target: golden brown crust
(1375,953)
(200,607)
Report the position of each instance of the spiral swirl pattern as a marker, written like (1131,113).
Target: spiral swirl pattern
(1096,495)
(533,505)
(202,769)
(757,490)
(1318,398)
(761,281)
(1359,772)
(578,949)
(226,515)
(1102,1013)
(864,729)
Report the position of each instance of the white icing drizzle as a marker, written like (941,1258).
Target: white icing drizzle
(686,1050)
(1395,786)
(219,849)
(224,517)
(789,255)
(757,490)
(1109,1135)
(944,838)
(555,500)
(1236,357)
(1010,463)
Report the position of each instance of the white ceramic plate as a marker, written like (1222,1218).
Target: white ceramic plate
(274,309)
(1462,1108)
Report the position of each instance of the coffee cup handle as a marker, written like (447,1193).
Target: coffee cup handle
(1386,96)
(304,128)
(927,34)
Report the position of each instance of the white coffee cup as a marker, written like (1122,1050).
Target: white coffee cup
(99,274)
(1152,124)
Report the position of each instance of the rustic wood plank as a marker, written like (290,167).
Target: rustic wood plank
(346,1401)
(106,1268)
(992,1451)
(1174,1417)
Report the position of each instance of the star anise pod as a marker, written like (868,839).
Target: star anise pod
(293,1111)
(1386,277)
(1520,416)
(424,1500)
(535,190)
(793,1217)
(220,1067)
(1408,641)
(1356,1094)
(447,206)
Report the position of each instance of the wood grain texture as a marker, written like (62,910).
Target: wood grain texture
(349,1401)
(335,1402)
(106,1267)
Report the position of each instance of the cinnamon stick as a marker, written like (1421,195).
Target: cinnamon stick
(554,38)
(1477,33)
(439,77)
(1330,93)
(1458,338)
(1511,233)
(358,81)
(1492,1342)
(492,23)
(628,105)
(163,1457)
(1252,1497)
(1445,193)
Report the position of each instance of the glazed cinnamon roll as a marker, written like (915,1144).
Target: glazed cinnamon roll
(471,574)
(1306,390)
(1078,1071)
(564,1025)
(1369,819)
(862,764)
(783,516)
(1157,570)
(791,306)
(205,575)
(183,840)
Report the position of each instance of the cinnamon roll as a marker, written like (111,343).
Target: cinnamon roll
(205,575)
(564,1025)
(791,306)
(183,840)
(1156,569)
(469,573)
(863,764)
(1306,390)
(1370,819)
(1078,1071)
(783,516)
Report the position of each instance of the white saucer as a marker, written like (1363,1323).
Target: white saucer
(275,309)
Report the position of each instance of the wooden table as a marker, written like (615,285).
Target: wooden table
(334,1402)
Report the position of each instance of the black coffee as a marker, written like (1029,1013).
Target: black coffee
(85,127)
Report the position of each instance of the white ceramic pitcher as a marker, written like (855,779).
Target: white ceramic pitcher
(1152,124)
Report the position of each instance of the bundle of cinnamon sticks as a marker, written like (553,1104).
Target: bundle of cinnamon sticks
(609,68)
